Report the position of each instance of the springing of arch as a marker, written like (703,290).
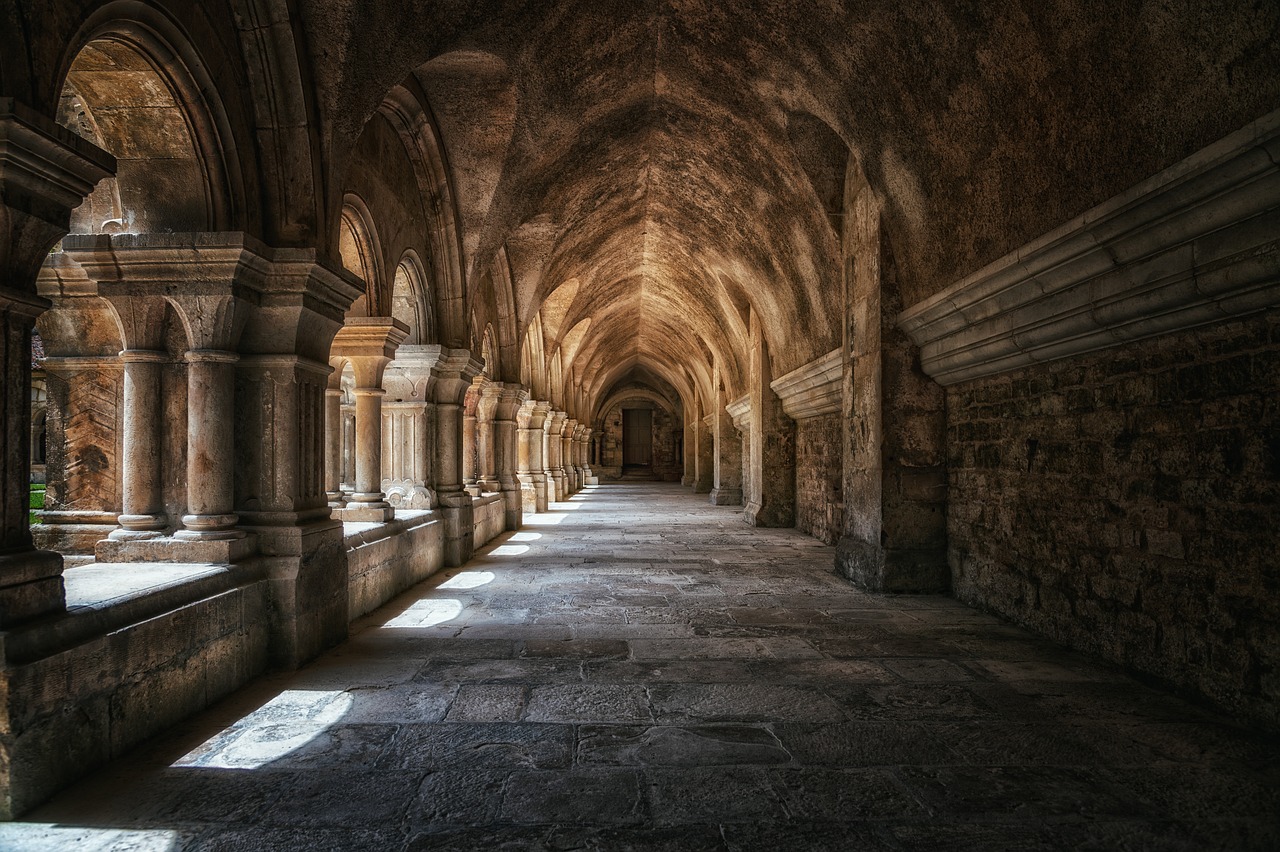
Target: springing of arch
(489,352)
(406,109)
(411,300)
(362,255)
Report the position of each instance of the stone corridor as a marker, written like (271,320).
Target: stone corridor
(637,669)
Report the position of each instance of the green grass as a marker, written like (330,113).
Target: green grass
(36,501)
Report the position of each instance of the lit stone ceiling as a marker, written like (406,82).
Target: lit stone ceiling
(677,163)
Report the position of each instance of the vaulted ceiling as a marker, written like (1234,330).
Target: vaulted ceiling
(666,166)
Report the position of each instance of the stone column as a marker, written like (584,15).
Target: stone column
(771,455)
(531,420)
(333,428)
(453,371)
(728,456)
(486,438)
(406,421)
(369,344)
(201,280)
(589,442)
(210,420)
(282,496)
(740,414)
(509,402)
(689,474)
(45,172)
(571,471)
(84,382)
(143,513)
(555,450)
(895,478)
(704,456)
(470,478)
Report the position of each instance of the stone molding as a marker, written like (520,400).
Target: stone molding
(811,390)
(740,411)
(1195,244)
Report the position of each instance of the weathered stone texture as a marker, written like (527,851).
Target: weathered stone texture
(818,477)
(1125,503)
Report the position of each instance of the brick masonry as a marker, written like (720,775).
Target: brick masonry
(819,501)
(1125,503)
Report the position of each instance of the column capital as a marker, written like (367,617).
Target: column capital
(369,343)
(510,398)
(453,371)
(409,376)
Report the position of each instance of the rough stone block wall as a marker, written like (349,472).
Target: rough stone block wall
(1125,503)
(819,501)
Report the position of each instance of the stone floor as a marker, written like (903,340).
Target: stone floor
(639,670)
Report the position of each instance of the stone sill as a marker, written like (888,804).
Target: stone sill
(105,597)
(359,534)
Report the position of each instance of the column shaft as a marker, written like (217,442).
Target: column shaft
(142,506)
(210,419)
(333,447)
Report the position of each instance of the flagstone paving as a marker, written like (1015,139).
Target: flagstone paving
(640,670)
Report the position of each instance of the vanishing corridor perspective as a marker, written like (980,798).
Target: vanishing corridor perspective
(637,670)
(651,424)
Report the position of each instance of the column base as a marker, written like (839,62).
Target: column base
(173,549)
(879,569)
(726,496)
(32,585)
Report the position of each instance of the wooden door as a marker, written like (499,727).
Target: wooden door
(637,436)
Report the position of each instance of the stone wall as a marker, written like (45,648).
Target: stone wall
(490,519)
(818,477)
(74,706)
(386,559)
(1124,503)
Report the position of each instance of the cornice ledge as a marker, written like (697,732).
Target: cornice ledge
(740,411)
(812,390)
(1195,244)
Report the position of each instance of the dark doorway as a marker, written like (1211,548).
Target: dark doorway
(637,437)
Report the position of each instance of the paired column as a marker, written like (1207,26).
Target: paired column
(143,277)
(589,440)
(510,399)
(571,472)
(406,417)
(471,400)
(486,438)
(369,344)
(555,453)
(453,371)
(531,420)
